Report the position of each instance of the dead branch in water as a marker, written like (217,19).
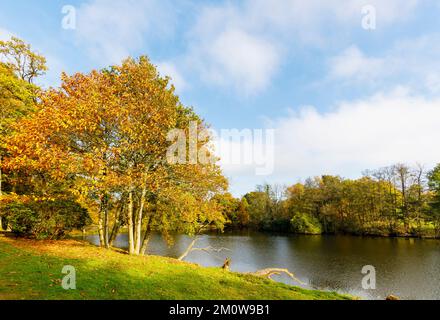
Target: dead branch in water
(269,272)
(210,249)
(191,248)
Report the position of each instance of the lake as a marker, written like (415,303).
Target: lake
(408,268)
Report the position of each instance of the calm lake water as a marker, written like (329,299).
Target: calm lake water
(408,268)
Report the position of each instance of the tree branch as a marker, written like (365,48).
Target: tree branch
(191,248)
(269,272)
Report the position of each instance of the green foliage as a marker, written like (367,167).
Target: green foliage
(17,93)
(235,211)
(434,185)
(242,215)
(16,100)
(305,224)
(20,217)
(258,206)
(47,219)
(20,58)
(434,180)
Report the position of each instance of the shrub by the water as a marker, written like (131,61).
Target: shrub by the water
(305,224)
(45,219)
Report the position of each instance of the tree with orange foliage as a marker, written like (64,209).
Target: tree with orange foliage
(106,133)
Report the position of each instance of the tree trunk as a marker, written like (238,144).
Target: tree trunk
(115,228)
(145,241)
(138,230)
(118,221)
(189,249)
(130,223)
(106,223)
(101,230)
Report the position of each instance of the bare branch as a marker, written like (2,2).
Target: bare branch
(191,248)
(269,272)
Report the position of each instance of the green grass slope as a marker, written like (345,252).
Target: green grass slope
(32,270)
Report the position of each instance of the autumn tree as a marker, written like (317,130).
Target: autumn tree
(22,60)
(229,206)
(242,213)
(19,65)
(107,132)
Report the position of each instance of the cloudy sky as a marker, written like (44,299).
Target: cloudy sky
(341,97)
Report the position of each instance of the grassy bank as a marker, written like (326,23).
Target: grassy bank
(32,270)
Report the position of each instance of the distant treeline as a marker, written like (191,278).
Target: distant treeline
(392,201)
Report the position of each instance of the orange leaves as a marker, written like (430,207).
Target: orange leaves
(106,132)
(13,197)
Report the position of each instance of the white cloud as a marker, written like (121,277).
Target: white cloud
(230,44)
(169,69)
(316,15)
(238,59)
(225,50)
(244,45)
(418,60)
(433,82)
(353,64)
(110,30)
(412,62)
(379,131)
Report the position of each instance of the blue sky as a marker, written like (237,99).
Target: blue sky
(341,98)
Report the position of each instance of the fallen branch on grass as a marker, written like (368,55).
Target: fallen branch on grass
(269,272)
